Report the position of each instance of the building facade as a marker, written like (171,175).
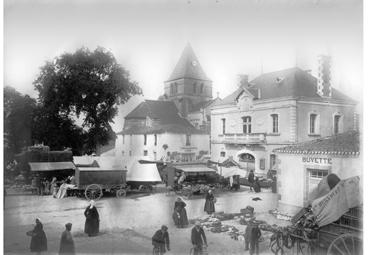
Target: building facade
(275,110)
(302,166)
(155,130)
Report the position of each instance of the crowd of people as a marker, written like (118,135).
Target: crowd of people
(54,187)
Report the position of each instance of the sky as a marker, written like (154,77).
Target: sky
(147,37)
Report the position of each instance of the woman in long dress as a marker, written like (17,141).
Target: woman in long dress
(39,240)
(92,220)
(66,241)
(180,210)
(209,202)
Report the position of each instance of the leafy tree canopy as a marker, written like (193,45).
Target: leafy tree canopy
(86,84)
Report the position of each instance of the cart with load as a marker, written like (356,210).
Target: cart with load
(331,225)
(92,182)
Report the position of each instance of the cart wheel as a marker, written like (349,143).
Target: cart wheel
(93,192)
(121,193)
(346,244)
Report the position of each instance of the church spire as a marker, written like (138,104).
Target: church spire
(188,66)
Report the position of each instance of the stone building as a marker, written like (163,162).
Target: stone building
(302,166)
(274,110)
(155,129)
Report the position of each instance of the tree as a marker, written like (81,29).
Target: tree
(18,119)
(84,84)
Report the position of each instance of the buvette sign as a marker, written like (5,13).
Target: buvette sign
(316,160)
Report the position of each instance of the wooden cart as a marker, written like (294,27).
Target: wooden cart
(92,182)
(343,237)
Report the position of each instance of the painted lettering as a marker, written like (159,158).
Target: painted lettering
(317,160)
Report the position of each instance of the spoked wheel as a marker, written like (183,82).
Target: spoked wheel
(346,244)
(93,192)
(121,193)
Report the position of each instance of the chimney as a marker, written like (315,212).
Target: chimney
(324,86)
(243,80)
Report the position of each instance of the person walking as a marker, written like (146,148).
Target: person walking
(247,236)
(255,234)
(66,241)
(38,240)
(251,179)
(92,220)
(209,202)
(198,238)
(160,240)
(180,213)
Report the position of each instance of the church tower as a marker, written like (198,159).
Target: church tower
(188,85)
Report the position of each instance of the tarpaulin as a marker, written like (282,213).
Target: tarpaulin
(345,195)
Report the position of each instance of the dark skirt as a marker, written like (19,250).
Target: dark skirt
(92,226)
(39,242)
(209,206)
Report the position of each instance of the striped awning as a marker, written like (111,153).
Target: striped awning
(51,166)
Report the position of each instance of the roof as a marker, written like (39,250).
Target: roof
(188,66)
(166,119)
(51,166)
(204,104)
(347,143)
(100,169)
(292,82)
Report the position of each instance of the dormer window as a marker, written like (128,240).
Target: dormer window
(313,124)
(202,88)
(279,80)
(336,124)
(194,88)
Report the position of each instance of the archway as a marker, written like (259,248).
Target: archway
(247,160)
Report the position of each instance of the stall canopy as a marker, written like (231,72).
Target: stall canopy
(230,171)
(51,166)
(196,169)
(142,172)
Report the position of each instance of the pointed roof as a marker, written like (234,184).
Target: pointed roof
(188,66)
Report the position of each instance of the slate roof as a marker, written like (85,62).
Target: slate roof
(347,143)
(203,105)
(185,67)
(165,118)
(294,82)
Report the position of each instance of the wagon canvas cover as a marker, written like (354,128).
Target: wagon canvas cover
(142,172)
(345,195)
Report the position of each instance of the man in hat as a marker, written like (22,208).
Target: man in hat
(161,239)
(198,238)
(66,241)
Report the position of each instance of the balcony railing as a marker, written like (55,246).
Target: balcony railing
(240,138)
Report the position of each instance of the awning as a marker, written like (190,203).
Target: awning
(196,169)
(228,172)
(113,168)
(51,166)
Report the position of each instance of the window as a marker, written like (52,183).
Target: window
(223,126)
(145,139)
(194,88)
(154,155)
(172,89)
(313,123)
(336,124)
(123,153)
(222,154)
(175,88)
(155,139)
(262,163)
(246,125)
(123,138)
(188,140)
(145,153)
(273,161)
(130,153)
(315,173)
(275,123)
(202,88)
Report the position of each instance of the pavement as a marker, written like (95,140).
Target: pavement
(127,224)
